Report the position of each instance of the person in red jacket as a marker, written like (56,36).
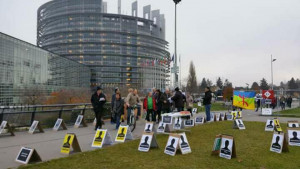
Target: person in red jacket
(150,107)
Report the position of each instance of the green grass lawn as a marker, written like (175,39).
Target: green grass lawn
(295,112)
(252,148)
(217,106)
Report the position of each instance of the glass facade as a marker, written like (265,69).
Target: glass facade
(121,50)
(24,66)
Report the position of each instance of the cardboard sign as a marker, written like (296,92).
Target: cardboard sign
(234,114)
(184,144)
(123,134)
(277,126)
(239,114)
(95,122)
(294,137)
(217,145)
(167,119)
(189,123)
(217,116)
(293,124)
(279,143)
(238,124)
(266,111)
(178,124)
(269,125)
(222,116)
(34,125)
(70,141)
(28,155)
(80,120)
(4,125)
(59,123)
(199,120)
(149,127)
(172,144)
(163,127)
(102,137)
(194,111)
(148,141)
(227,147)
(229,116)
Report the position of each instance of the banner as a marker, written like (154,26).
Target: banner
(244,100)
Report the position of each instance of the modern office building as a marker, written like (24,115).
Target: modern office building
(25,68)
(121,50)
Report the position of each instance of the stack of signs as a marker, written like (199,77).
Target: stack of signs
(229,116)
(269,125)
(70,140)
(266,111)
(194,111)
(102,137)
(277,126)
(189,123)
(34,125)
(123,134)
(80,120)
(294,136)
(238,124)
(172,144)
(234,114)
(59,123)
(224,146)
(184,144)
(178,124)
(9,129)
(163,127)
(199,120)
(28,155)
(279,143)
(218,117)
(149,127)
(148,141)
(293,124)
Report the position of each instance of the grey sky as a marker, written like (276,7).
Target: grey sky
(228,38)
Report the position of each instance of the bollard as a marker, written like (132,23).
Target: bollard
(33,115)
(60,112)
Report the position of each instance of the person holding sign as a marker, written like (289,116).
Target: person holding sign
(118,108)
(150,107)
(178,98)
(98,100)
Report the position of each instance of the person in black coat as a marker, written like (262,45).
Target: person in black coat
(98,100)
(207,102)
(113,98)
(178,99)
(118,108)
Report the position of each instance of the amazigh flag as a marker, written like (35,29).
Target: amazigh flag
(244,100)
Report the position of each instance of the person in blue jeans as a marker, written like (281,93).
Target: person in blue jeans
(207,102)
(118,108)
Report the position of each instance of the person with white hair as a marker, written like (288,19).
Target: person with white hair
(166,105)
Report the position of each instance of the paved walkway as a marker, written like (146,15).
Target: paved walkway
(48,144)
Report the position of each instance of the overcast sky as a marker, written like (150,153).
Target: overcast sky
(232,39)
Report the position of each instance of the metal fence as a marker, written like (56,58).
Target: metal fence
(24,115)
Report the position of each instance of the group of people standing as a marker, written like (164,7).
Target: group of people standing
(155,104)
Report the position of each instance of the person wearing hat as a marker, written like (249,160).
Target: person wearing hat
(178,99)
(98,100)
(113,98)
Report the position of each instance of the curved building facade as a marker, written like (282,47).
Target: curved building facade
(121,50)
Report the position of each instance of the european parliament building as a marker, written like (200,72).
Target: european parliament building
(29,70)
(120,50)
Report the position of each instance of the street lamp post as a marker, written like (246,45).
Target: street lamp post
(175,53)
(272,60)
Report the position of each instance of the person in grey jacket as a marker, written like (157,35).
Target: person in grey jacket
(118,108)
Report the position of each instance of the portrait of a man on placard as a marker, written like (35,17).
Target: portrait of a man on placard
(171,147)
(161,127)
(270,125)
(177,124)
(145,144)
(122,134)
(225,149)
(183,143)
(67,143)
(277,143)
(148,129)
(294,137)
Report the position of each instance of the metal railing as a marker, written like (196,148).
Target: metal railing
(24,115)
